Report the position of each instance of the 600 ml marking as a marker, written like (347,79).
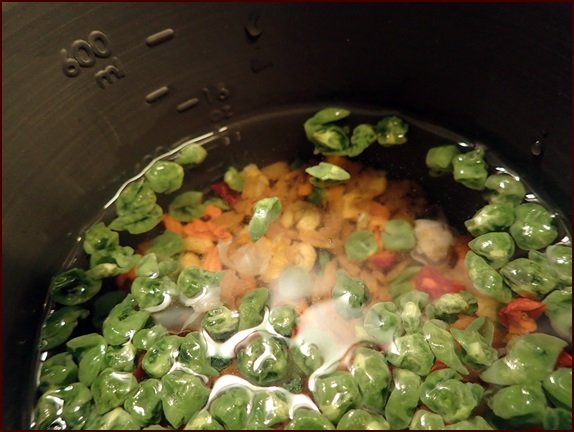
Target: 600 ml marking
(84,54)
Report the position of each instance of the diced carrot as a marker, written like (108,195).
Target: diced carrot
(379,211)
(304,189)
(124,278)
(212,211)
(438,365)
(142,247)
(383,261)
(211,261)
(172,224)
(196,226)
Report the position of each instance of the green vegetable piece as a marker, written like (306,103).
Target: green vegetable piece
(193,154)
(283,319)
(398,235)
(383,323)
(144,405)
(413,353)
(476,347)
(496,248)
(193,355)
(267,410)
(335,394)
(194,281)
(294,385)
(559,311)
(89,351)
(220,323)
(58,370)
(182,395)
(491,217)
(529,358)
(442,344)
(152,293)
(112,262)
(527,278)
(326,174)
(448,306)
(166,245)
(60,326)
(504,188)
(203,421)
(360,245)
(63,407)
(439,159)
(120,358)
(534,227)
(519,401)
(103,304)
(328,138)
(470,169)
(359,419)
(350,295)
(159,359)
(137,198)
(557,419)
(485,279)
(452,399)
(233,179)
(264,360)
(123,322)
(363,136)
(146,337)
(186,206)
(138,223)
(265,212)
(317,196)
(404,398)
(559,386)
(231,407)
(99,238)
(111,388)
(420,298)
(117,419)
(217,202)
(74,287)
(411,317)
(426,420)
(473,423)
(164,177)
(307,357)
(391,131)
(403,282)
(305,419)
(252,308)
(373,377)
(560,258)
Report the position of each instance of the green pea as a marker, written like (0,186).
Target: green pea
(159,359)
(420,298)
(560,258)
(363,136)
(58,370)
(186,206)
(335,394)
(485,279)
(89,350)
(194,281)
(193,154)
(559,310)
(496,248)
(137,197)
(383,323)
(360,245)
(518,401)
(404,398)
(265,212)
(167,244)
(359,419)
(267,410)
(529,358)
(403,282)
(442,344)
(398,235)
(450,305)
(99,237)
(426,420)
(504,188)
(557,418)
(307,357)
(231,407)
(328,138)
(264,360)
(63,407)
(413,353)
(111,388)
(350,295)
(233,179)
(559,386)
(220,323)
(534,227)
(527,278)
(283,319)
(470,169)
(138,222)
(305,419)
(411,317)
(74,287)
(182,395)
(391,131)
(152,293)
(193,355)
(203,421)
(120,358)
(452,399)
(164,177)
(491,217)
(477,349)
(144,404)
(326,174)
(473,423)
(146,337)
(111,262)
(116,419)
(439,159)
(60,326)
(252,308)
(123,322)
(373,377)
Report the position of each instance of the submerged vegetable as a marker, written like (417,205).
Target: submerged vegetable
(326,174)
(265,212)
(283,318)
(383,323)
(349,295)
(391,131)
(398,235)
(360,245)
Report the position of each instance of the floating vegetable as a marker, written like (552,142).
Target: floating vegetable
(264,360)
(475,340)
(231,407)
(70,403)
(182,396)
(159,359)
(120,358)
(496,248)
(450,305)
(358,419)
(58,370)
(194,281)
(74,287)
(527,278)
(283,319)
(203,420)
(220,323)
(305,419)
(60,325)
(88,351)
(144,405)
(485,279)
(111,388)
(267,410)
(252,308)
(439,159)
(123,322)
(391,131)
(558,385)
(325,174)
(490,218)
(559,311)
(193,356)
(533,228)
(520,402)
(370,370)
(233,179)
(560,259)
(307,357)
(99,238)
(186,206)
(443,345)
(413,353)
(404,398)
(426,420)
(193,154)
(329,138)
(164,177)
(383,323)
(335,394)
(504,188)
(470,169)
(363,136)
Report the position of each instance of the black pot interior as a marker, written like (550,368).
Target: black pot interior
(499,74)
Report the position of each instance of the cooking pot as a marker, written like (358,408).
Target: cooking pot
(92,90)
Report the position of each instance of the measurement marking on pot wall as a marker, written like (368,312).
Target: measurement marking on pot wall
(187,104)
(160,37)
(153,96)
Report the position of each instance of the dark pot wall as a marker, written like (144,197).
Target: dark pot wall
(498,73)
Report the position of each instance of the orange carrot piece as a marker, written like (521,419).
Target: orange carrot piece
(124,278)
(212,211)
(379,210)
(196,226)
(142,247)
(211,261)
(172,224)
(304,189)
